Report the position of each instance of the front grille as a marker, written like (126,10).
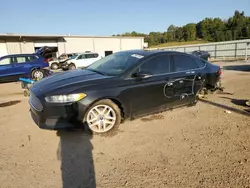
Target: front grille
(35,102)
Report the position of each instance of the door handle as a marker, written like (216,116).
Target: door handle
(170,84)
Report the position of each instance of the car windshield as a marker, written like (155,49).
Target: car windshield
(73,56)
(115,64)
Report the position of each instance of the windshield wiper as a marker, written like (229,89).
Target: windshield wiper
(97,72)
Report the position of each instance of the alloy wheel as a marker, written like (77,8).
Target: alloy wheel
(38,74)
(101,118)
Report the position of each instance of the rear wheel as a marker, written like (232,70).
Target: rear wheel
(37,74)
(72,66)
(103,116)
(54,66)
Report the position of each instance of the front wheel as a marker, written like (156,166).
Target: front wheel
(103,116)
(72,66)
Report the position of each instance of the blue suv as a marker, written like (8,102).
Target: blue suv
(12,67)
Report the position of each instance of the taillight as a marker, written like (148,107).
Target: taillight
(219,72)
(46,60)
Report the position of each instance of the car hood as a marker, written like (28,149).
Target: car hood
(66,82)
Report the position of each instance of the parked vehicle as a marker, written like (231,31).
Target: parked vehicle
(123,85)
(57,63)
(13,67)
(81,60)
(201,54)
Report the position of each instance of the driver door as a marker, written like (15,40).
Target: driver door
(147,93)
(80,61)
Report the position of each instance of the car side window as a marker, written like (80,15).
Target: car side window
(30,58)
(80,57)
(200,63)
(21,59)
(88,56)
(184,62)
(156,65)
(5,61)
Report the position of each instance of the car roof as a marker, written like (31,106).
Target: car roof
(87,53)
(13,55)
(146,53)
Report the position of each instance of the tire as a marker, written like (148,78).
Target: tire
(65,69)
(72,66)
(54,66)
(97,126)
(37,74)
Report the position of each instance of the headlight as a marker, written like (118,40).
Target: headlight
(65,98)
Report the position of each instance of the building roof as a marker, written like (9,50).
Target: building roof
(59,36)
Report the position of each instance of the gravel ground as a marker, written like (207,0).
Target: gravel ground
(207,145)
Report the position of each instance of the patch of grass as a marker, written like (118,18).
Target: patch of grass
(169,44)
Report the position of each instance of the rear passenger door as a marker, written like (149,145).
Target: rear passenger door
(187,79)
(24,64)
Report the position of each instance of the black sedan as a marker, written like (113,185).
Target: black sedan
(120,86)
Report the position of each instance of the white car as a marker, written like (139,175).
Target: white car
(81,60)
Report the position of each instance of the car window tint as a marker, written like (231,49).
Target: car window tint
(80,57)
(96,55)
(183,63)
(30,58)
(20,59)
(157,65)
(200,63)
(89,56)
(5,61)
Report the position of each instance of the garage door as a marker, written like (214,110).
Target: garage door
(51,43)
(3,48)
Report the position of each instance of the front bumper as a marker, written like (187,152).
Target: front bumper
(54,117)
(64,65)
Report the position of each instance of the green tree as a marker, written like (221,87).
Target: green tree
(179,34)
(171,33)
(189,32)
(219,36)
(209,29)
(228,35)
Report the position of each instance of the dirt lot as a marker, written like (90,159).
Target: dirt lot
(201,146)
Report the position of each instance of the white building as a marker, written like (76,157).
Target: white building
(19,44)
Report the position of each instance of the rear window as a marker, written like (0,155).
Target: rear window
(200,63)
(183,63)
